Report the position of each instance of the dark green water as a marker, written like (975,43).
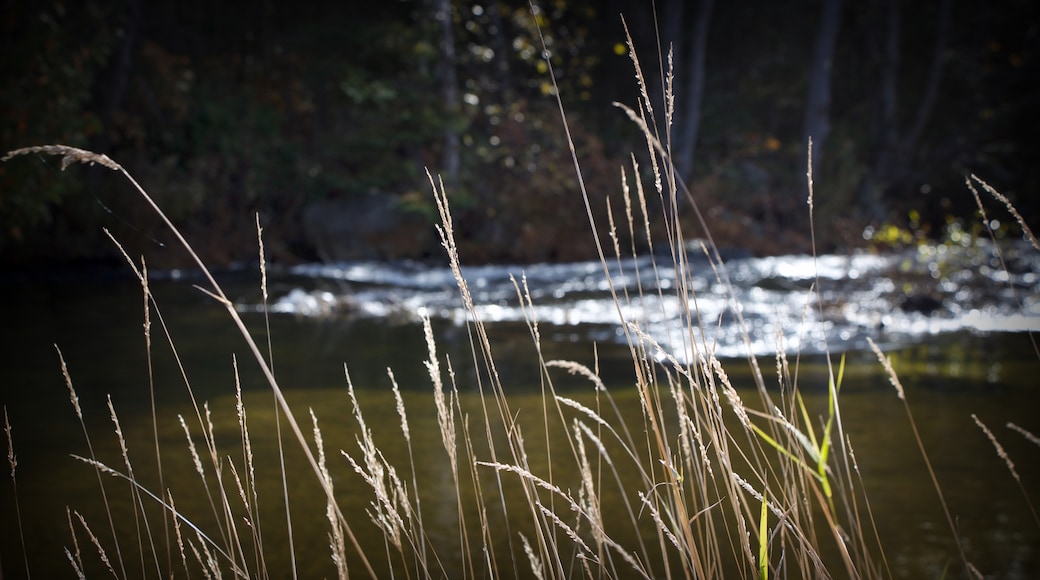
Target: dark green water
(97,325)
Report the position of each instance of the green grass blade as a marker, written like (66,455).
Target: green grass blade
(763,547)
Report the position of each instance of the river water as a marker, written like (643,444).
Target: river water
(896,298)
(955,321)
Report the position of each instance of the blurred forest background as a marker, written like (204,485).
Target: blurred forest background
(323,116)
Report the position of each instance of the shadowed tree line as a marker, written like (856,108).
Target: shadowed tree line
(225,109)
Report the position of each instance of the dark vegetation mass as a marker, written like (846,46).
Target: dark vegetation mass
(309,112)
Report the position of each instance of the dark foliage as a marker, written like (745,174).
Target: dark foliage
(225,109)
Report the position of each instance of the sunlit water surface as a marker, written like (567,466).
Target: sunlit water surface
(746,306)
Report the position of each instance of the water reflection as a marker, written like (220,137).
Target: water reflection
(796,303)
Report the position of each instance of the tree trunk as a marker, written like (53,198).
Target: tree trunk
(931,92)
(449,93)
(690,114)
(675,41)
(110,87)
(889,78)
(818,101)
(895,155)
(501,46)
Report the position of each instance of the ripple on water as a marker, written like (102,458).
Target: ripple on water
(829,303)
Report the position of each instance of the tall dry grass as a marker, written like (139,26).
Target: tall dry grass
(704,485)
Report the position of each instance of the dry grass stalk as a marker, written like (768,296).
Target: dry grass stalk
(418,530)
(247,491)
(1010,465)
(142,276)
(140,514)
(69,155)
(377,472)
(887,364)
(97,544)
(537,569)
(177,532)
(75,556)
(445,410)
(1026,232)
(13,462)
(215,291)
(337,544)
(76,566)
(700,516)
(1025,433)
(277,417)
(997,447)
(74,399)
(587,493)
